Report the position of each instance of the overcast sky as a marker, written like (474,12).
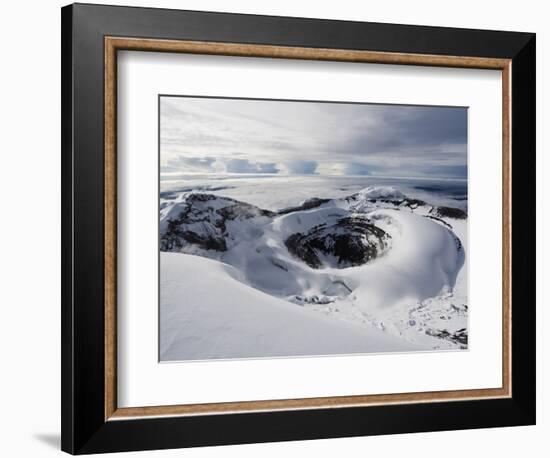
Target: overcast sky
(207,135)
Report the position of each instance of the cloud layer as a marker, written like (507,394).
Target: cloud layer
(208,135)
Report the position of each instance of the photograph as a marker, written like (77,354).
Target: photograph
(311,228)
(278,226)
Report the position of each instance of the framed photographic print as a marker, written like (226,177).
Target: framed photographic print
(281,228)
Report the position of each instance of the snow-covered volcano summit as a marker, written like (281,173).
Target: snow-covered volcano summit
(323,233)
(373,258)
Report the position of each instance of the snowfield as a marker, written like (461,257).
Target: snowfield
(207,314)
(376,270)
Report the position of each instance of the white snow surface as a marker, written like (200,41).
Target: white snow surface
(207,314)
(422,263)
(257,300)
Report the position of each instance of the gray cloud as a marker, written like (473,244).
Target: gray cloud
(200,162)
(256,136)
(424,131)
(192,164)
(353,168)
(301,167)
(245,166)
(211,164)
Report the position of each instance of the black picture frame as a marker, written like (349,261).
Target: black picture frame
(84,427)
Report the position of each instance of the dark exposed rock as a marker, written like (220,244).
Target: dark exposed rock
(204,225)
(315,299)
(411,203)
(448,212)
(439,220)
(314,202)
(393,201)
(458,337)
(352,241)
(177,233)
(242,210)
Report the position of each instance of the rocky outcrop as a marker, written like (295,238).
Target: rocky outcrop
(459,337)
(308,204)
(202,220)
(350,242)
(448,212)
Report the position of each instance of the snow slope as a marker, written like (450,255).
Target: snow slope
(209,315)
(423,262)
(413,287)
